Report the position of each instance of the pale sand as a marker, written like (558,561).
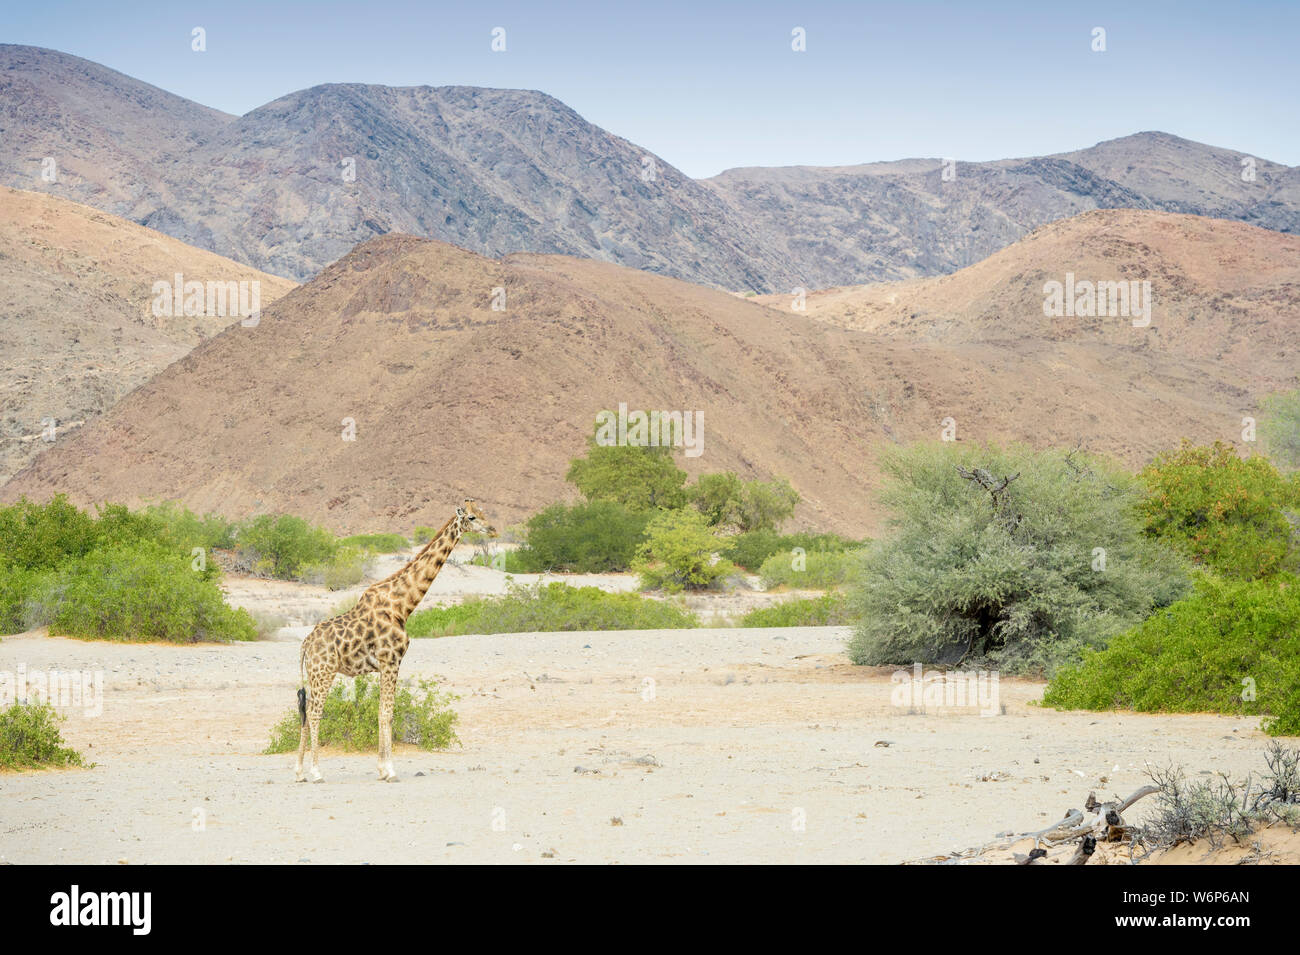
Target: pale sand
(749,732)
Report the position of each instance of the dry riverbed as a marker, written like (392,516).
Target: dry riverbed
(711,745)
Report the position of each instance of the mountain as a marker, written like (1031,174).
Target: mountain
(502,171)
(76,290)
(1225,297)
(898,220)
(398,346)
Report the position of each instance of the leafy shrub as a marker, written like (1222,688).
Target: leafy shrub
(281,546)
(813,571)
(1022,577)
(422,535)
(140,592)
(679,553)
(379,543)
(42,536)
(30,738)
(350,718)
(347,567)
(828,610)
(22,591)
(591,538)
(187,530)
(1231,639)
(1224,511)
(727,501)
(750,549)
(550,607)
(639,478)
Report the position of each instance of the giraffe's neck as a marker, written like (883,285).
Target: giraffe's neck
(407,587)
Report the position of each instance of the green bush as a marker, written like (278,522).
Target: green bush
(30,738)
(1021,577)
(22,593)
(140,592)
(347,567)
(828,610)
(1225,512)
(550,607)
(679,553)
(379,543)
(727,501)
(750,549)
(42,536)
(281,546)
(640,478)
(1231,639)
(808,571)
(187,530)
(350,718)
(590,538)
(422,534)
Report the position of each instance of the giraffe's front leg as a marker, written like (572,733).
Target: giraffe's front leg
(387,697)
(315,707)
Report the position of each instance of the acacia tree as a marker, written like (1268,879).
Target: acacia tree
(1012,557)
(639,478)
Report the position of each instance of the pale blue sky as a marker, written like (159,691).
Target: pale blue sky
(708,86)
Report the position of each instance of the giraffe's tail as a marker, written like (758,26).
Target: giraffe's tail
(302,690)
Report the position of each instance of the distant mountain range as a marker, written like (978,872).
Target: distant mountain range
(296,184)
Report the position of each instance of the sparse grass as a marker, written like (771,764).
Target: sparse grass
(30,738)
(1221,809)
(550,607)
(268,624)
(422,716)
(807,571)
(828,610)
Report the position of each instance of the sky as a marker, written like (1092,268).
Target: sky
(709,86)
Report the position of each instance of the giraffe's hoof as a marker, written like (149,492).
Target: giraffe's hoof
(300,778)
(318,779)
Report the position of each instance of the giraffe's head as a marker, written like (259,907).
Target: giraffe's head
(472,518)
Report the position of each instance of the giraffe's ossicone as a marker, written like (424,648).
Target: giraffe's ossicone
(371,638)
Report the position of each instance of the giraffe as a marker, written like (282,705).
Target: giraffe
(371,638)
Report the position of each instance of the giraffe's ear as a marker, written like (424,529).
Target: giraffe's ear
(460,512)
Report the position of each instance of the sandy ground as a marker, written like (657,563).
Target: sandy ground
(754,746)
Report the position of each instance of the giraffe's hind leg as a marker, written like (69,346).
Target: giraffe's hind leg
(302,741)
(320,687)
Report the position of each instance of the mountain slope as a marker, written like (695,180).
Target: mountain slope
(501,171)
(79,329)
(450,398)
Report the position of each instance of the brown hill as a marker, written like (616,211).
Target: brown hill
(79,329)
(1226,297)
(451,398)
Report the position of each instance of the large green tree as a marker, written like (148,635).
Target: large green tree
(636,477)
(1012,557)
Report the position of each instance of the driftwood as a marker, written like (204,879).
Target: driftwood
(1101,822)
